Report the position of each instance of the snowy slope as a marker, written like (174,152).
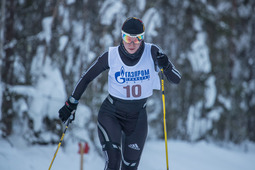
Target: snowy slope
(182,156)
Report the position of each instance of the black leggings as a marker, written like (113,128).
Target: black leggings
(122,130)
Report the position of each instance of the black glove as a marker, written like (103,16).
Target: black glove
(162,60)
(68,109)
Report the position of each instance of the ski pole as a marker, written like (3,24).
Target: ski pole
(61,139)
(164,114)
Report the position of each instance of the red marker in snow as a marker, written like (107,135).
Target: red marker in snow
(83,150)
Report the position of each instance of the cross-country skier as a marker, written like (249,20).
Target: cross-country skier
(133,75)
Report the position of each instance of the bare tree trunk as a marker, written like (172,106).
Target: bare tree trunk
(2,24)
(7,68)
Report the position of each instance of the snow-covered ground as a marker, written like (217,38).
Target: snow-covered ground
(182,156)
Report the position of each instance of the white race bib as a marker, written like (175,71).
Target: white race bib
(132,82)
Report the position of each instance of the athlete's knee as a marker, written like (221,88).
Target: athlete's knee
(129,164)
(112,155)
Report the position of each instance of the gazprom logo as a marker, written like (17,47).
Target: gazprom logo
(119,76)
(123,76)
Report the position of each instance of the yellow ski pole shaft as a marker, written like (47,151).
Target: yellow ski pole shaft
(164,116)
(59,144)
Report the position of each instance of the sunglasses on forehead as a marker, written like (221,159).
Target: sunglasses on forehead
(130,38)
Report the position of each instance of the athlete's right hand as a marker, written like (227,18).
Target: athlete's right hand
(67,110)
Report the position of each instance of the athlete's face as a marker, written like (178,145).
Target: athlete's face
(132,42)
(131,47)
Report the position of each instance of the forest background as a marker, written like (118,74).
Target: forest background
(45,47)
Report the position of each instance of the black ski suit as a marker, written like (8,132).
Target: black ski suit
(122,124)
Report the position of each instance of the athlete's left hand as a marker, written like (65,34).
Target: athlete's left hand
(162,60)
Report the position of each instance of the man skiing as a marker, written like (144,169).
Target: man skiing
(133,75)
